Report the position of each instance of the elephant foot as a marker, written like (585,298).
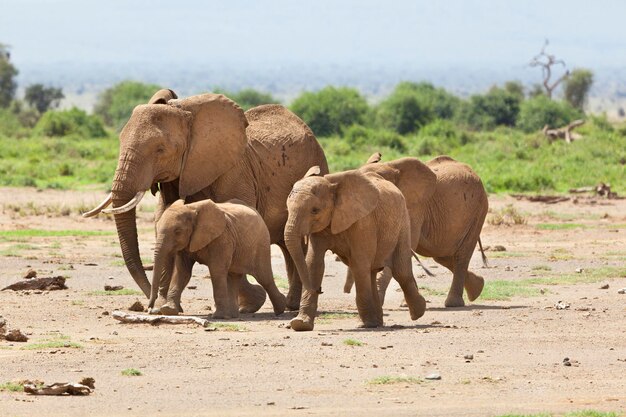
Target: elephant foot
(168,310)
(221,314)
(371,324)
(302,324)
(293,300)
(474,285)
(454,301)
(251,299)
(279,305)
(417,306)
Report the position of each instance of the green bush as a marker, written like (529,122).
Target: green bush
(539,111)
(331,109)
(439,137)
(360,136)
(9,123)
(116,104)
(499,107)
(404,111)
(70,122)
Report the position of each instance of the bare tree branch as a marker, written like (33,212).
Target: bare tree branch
(546,62)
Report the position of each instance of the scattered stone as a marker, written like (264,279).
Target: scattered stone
(605,287)
(3,324)
(15,335)
(113,287)
(137,306)
(326,344)
(622,291)
(561,305)
(433,376)
(105,313)
(508,268)
(566,362)
(191,287)
(579,270)
(49,284)
(468,357)
(31,273)
(90,264)
(498,248)
(271,403)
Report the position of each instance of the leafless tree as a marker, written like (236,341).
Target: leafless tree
(546,62)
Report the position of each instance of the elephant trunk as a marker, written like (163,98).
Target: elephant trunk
(293,241)
(122,191)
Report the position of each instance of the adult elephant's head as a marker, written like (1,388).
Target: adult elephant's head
(334,202)
(188,142)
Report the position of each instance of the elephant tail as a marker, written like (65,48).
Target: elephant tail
(430,274)
(482,252)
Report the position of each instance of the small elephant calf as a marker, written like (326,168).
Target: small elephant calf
(230,238)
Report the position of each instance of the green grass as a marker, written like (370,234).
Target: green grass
(131,372)
(282,283)
(57,342)
(424,290)
(582,413)
(22,233)
(560,254)
(353,342)
(228,327)
(326,318)
(499,290)
(123,291)
(541,268)
(12,387)
(390,380)
(560,226)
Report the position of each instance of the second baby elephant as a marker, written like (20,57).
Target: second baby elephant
(230,238)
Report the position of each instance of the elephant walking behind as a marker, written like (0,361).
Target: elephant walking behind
(447,205)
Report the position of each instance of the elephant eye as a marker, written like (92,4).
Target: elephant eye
(160,149)
(315,210)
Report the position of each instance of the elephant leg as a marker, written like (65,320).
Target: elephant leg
(347,286)
(265,277)
(382,282)
(180,279)
(365,304)
(459,273)
(402,271)
(233,283)
(474,285)
(305,321)
(221,296)
(376,301)
(295,285)
(251,297)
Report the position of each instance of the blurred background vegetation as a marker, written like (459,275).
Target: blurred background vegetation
(498,133)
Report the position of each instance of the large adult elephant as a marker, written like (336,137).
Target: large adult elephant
(447,205)
(203,147)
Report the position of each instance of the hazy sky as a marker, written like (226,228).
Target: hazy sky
(429,34)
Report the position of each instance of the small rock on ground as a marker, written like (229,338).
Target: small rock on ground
(137,306)
(16,335)
(605,287)
(113,287)
(435,376)
(31,273)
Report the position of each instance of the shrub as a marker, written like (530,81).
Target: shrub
(439,137)
(9,123)
(116,104)
(358,136)
(576,87)
(413,105)
(67,122)
(539,111)
(331,109)
(499,107)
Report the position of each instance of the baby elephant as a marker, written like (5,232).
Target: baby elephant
(230,238)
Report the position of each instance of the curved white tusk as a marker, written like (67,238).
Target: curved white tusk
(98,209)
(128,206)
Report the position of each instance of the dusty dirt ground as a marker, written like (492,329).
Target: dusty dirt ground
(259,367)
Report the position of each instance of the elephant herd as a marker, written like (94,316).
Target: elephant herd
(230,183)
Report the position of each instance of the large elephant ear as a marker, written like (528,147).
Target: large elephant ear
(416,180)
(163,96)
(356,196)
(217,140)
(210,223)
